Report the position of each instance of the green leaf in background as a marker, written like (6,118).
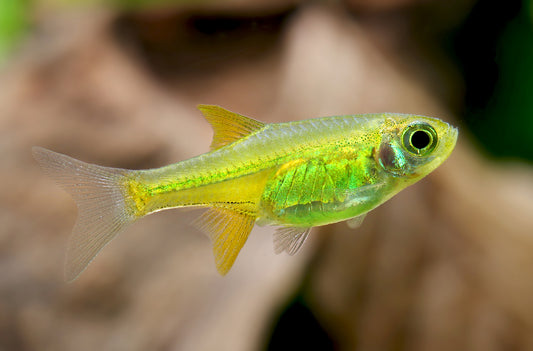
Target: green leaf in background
(13,23)
(494,49)
(154,3)
(508,128)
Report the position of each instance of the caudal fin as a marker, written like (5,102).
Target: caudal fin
(103,209)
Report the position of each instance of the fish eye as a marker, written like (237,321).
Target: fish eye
(419,139)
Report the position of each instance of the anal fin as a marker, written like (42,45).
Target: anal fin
(290,239)
(228,230)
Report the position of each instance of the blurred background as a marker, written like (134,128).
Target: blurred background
(445,265)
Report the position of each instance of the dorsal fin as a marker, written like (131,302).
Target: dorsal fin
(227,126)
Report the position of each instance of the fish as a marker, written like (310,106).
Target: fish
(293,175)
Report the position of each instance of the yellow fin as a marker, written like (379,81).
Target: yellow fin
(228,231)
(227,126)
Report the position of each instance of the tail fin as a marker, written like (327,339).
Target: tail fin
(103,209)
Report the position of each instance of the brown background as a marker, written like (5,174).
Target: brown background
(445,265)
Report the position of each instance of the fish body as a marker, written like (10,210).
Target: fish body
(296,175)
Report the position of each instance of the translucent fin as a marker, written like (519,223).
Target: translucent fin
(360,195)
(356,221)
(290,239)
(102,210)
(228,231)
(227,126)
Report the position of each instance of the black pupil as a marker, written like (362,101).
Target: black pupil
(420,139)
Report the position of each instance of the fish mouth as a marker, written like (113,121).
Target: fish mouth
(449,140)
(454,131)
(453,135)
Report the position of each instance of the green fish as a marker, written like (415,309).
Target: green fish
(294,175)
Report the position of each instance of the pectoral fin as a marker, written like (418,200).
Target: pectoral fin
(356,221)
(290,239)
(362,194)
(228,231)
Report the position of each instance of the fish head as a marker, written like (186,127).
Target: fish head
(413,146)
